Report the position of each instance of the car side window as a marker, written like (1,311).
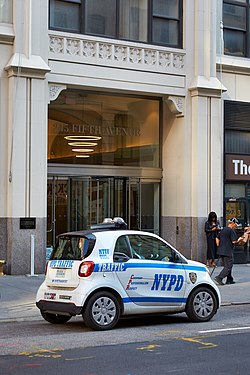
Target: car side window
(122,250)
(147,247)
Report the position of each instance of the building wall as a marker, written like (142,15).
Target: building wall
(37,64)
(193,145)
(24,137)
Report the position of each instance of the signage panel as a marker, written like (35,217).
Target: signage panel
(237,167)
(27,223)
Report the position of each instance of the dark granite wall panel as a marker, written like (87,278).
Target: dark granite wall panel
(16,246)
(187,235)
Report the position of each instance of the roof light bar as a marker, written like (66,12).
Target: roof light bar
(108,223)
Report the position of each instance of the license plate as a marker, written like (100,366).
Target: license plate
(60,273)
(48,295)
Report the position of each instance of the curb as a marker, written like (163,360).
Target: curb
(17,320)
(223,304)
(39,318)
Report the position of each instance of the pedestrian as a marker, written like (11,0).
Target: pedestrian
(212,228)
(227,240)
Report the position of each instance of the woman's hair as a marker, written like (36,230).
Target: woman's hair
(212,215)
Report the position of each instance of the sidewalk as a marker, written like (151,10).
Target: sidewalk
(18,293)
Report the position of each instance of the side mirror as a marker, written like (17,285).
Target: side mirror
(175,258)
(120,257)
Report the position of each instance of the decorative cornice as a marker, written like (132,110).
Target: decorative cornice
(7,35)
(233,64)
(22,66)
(175,104)
(54,90)
(110,53)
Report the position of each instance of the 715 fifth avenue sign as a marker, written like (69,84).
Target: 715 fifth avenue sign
(237,167)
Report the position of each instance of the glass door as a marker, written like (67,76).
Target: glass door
(144,205)
(75,203)
(57,208)
(150,207)
(101,199)
(237,199)
(79,203)
(237,208)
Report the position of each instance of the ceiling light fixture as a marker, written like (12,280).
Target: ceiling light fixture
(82,156)
(82,138)
(82,144)
(82,149)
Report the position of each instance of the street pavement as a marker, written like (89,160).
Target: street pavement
(18,293)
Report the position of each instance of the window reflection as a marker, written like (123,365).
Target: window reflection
(234,42)
(133,18)
(151,21)
(166,21)
(100,16)
(65,15)
(235,27)
(6,11)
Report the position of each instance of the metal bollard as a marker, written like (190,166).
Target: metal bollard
(2,262)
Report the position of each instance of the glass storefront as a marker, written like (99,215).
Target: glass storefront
(237,170)
(74,203)
(86,128)
(237,204)
(89,133)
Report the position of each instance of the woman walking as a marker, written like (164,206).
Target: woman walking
(212,228)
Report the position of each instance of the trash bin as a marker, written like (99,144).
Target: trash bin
(2,263)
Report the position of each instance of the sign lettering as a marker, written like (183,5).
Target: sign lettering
(237,167)
(167,282)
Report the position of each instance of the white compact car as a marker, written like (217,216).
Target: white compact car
(108,272)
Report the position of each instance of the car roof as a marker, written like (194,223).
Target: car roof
(87,232)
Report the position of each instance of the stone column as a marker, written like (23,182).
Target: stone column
(193,138)
(206,127)
(26,139)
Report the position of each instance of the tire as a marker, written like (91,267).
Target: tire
(55,318)
(201,305)
(102,311)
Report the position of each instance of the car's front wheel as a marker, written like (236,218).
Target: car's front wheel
(55,318)
(102,311)
(201,305)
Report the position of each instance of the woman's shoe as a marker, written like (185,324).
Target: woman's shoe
(230,282)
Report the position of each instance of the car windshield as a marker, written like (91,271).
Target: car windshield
(73,247)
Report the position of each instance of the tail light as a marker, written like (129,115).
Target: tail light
(86,269)
(46,268)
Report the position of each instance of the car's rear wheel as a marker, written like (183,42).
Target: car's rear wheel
(55,318)
(102,311)
(201,305)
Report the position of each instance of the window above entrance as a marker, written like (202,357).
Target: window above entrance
(148,21)
(87,128)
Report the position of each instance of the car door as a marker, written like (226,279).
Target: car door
(151,275)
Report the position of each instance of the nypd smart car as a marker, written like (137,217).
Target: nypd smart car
(108,272)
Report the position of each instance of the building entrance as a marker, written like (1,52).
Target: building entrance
(237,204)
(75,203)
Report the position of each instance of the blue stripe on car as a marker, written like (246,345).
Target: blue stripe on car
(154,299)
(121,267)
